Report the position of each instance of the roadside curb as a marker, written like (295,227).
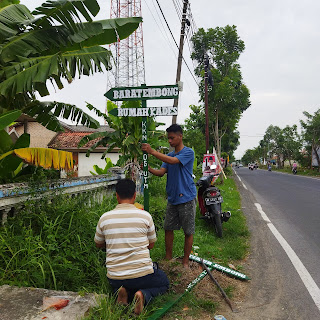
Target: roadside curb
(27,303)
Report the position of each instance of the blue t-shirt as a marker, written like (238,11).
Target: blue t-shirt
(180,185)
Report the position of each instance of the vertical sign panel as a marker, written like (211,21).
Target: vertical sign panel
(145,160)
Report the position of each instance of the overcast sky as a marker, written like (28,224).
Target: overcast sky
(280,65)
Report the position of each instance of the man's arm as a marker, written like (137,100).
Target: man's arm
(158,172)
(164,158)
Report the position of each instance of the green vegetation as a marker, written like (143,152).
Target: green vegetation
(126,134)
(288,144)
(52,44)
(219,50)
(50,245)
(300,170)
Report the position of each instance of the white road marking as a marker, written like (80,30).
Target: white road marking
(304,274)
(263,215)
(241,181)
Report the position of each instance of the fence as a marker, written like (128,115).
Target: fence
(13,196)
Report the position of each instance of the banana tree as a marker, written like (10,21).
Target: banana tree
(58,40)
(99,170)
(126,136)
(14,155)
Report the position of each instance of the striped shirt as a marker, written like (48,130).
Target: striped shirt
(127,232)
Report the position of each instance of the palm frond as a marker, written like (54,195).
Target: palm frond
(12,19)
(46,41)
(98,112)
(24,75)
(113,30)
(110,147)
(46,113)
(65,12)
(7,118)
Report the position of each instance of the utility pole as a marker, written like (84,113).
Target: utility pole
(206,65)
(183,27)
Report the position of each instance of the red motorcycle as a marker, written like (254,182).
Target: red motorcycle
(210,200)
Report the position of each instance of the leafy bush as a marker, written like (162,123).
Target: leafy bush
(50,244)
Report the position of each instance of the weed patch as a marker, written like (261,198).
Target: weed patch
(49,244)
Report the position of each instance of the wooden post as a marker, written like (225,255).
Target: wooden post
(183,26)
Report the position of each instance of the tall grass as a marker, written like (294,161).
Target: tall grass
(49,244)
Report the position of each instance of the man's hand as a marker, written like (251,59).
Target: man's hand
(101,245)
(146,148)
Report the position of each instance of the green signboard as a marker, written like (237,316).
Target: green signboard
(143,93)
(144,112)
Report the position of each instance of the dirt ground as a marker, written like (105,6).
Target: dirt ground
(205,289)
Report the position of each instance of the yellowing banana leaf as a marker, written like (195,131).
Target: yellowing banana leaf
(45,157)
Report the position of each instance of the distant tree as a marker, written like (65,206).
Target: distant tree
(285,144)
(194,131)
(274,139)
(194,134)
(229,96)
(311,134)
(291,143)
(251,155)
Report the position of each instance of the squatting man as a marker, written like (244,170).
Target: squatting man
(128,233)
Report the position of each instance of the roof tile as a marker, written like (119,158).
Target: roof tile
(70,140)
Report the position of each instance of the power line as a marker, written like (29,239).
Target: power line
(164,34)
(178,10)
(166,38)
(167,23)
(175,41)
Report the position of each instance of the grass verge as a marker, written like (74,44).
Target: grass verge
(300,171)
(50,245)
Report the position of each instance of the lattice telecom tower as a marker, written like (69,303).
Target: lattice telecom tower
(128,54)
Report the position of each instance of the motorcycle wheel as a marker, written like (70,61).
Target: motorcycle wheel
(215,211)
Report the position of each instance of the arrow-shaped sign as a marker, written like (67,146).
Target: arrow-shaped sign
(143,93)
(144,112)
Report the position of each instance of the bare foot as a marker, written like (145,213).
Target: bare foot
(139,302)
(122,296)
(185,263)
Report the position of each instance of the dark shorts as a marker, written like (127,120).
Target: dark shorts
(181,215)
(150,285)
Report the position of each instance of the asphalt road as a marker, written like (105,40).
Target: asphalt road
(289,280)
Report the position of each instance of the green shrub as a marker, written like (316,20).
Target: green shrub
(49,244)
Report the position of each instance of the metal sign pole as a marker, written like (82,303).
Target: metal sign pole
(144,139)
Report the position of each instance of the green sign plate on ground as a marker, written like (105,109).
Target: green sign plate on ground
(143,93)
(144,112)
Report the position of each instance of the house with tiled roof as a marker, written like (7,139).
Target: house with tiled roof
(41,137)
(68,141)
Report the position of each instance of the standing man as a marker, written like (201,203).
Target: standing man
(128,233)
(181,190)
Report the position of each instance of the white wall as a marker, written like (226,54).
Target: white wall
(86,164)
